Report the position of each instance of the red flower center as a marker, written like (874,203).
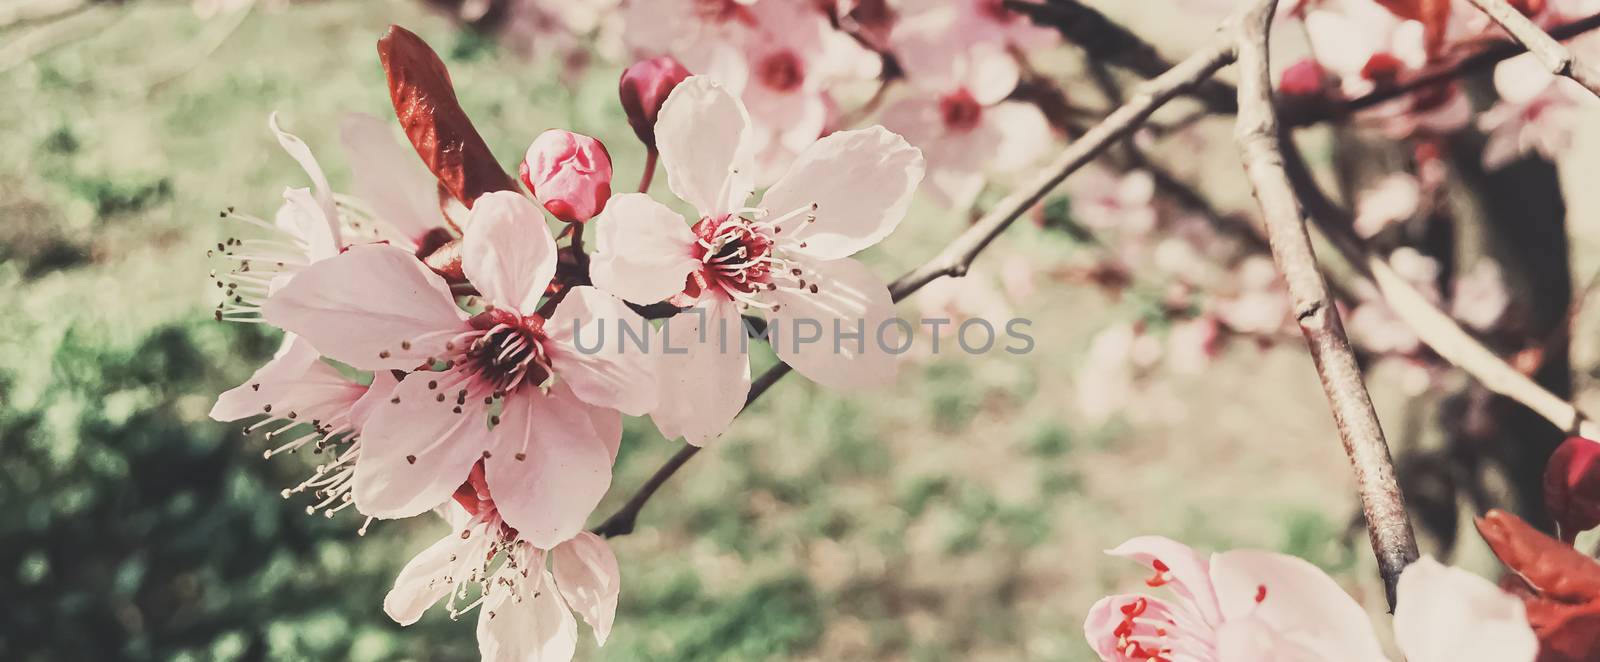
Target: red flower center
(781,71)
(510,352)
(1383,69)
(734,256)
(960,111)
(996,10)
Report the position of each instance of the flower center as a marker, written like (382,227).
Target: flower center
(996,11)
(719,11)
(781,71)
(735,255)
(960,111)
(510,352)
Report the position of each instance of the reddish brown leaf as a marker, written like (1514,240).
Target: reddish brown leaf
(1572,487)
(1567,633)
(425,102)
(1554,570)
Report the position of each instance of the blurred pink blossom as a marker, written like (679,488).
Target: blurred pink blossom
(1393,199)
(1481,297)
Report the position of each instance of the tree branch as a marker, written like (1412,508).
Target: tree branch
(959,254)
(1257,135)
(1550,52)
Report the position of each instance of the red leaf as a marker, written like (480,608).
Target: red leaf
(425,102)
(1552,569)
(1567,633)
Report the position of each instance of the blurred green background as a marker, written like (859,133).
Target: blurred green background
(957,516)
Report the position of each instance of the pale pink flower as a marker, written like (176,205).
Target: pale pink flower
(926,27)
(1192,344)
(796,57)
(526,595)
(1105,380)
(1261,305)
(1363,44)
(1481,298)
(376,307)
(707,36)
(787,256)
(1103,199)
(1538,112)
(1392,199)
(965,127)
(296,389)
(1374,326)
(1250,605)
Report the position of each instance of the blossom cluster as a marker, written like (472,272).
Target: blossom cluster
(431,324)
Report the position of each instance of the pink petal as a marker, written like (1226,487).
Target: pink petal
(607,422)
(278,377)
(1447,614)
(1187,574)
(642,249)
(586,572)
(301,153)
(390,178)
(1024,135)
(617,373)
(861,183)
(548,469)
(359,307)
(526,622)
(850,299)
(417,451)
(420,584)
(507,251)
(1155,624)
(1295,600)
(300,217)
(990,73)
(703,133)
(379,392)
(703,377)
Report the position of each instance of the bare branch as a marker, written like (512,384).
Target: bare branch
(1550,52)
(1257,135)
(958,255)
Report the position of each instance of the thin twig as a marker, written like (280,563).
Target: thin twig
(1433,326)
(959,254)
(1257,135)
(1550,52)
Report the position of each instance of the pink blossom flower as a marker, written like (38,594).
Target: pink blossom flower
(928,26)
(1251,605)
(1363,44)
(1260,306)
(1538,112)
(376,307)
(1106,200)
(643,88)
(787,256)
(965,127)
(707,36)
(1480,297)
(569,173)
(1392,199)
(1193,344)
(298,388)
(526,595)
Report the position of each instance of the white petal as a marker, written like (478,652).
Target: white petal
(417,451)
(360,306)
(301,153)
(1024,135)
(849,300)
(586,572)
(1296,600)
(861,183)
(548,468)
(702,374)
(527,622)
(991,73)
(507,251)
(1451,615)
(618,373)
(390,177)
(420,584)
(642,249)
(703,133)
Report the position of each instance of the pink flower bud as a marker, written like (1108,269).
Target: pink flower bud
(1305,78)
(644,87)
(1572,486)
(569,173)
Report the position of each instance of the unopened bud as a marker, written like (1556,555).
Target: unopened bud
(644,87)
(569,173)
(1305,78)
(1572,486)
